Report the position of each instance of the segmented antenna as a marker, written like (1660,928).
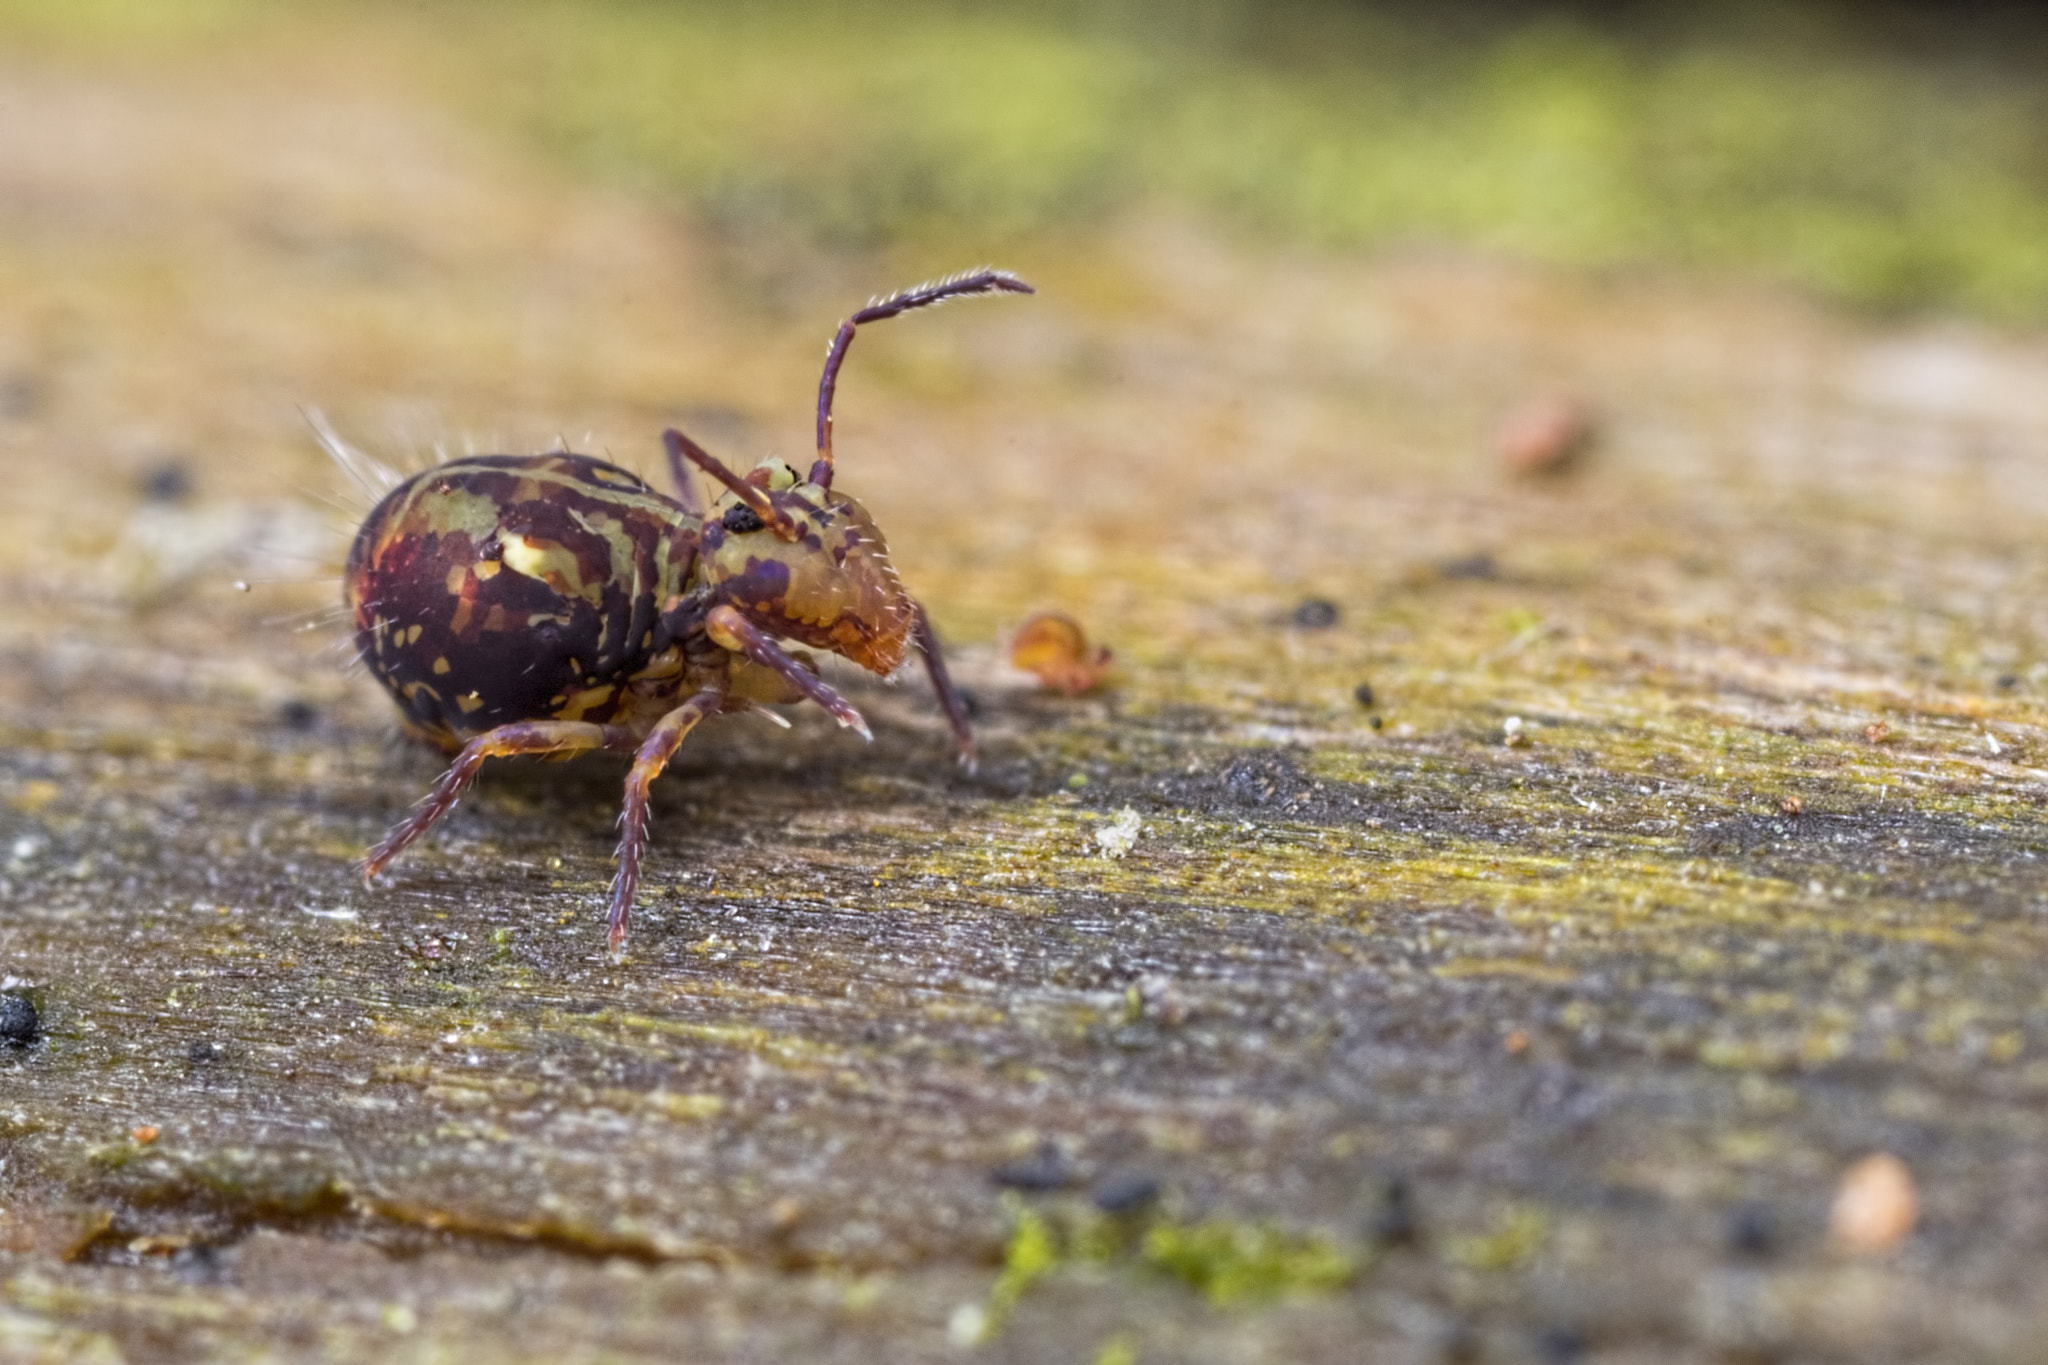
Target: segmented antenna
(984,281)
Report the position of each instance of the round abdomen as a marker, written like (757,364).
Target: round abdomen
(505,588)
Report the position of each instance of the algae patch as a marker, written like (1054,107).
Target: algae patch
(1230,1263)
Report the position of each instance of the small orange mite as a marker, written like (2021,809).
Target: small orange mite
(1055,648)
(143,1135)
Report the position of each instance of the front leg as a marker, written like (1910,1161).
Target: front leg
(653,755)
(730,630)
(950,699)
(521,737)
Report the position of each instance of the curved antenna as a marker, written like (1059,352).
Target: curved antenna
(983,281)
(681,447)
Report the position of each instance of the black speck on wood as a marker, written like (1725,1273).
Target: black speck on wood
(20,1025)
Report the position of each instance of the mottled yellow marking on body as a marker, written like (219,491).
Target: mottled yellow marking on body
(618,537)
(553,564)
(486,569)
(586,700)
(469,701)
(437,509)
(458,576)
(412,636)
(441,664)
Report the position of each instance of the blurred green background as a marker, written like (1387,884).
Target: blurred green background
(1890,156)
(1625,850)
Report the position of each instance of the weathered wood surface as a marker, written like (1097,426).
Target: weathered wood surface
(1610,1015)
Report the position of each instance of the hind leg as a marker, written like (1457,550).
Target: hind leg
(523,737)
(687,492)
(653,755)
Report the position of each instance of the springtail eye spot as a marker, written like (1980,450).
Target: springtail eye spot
(740,519)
